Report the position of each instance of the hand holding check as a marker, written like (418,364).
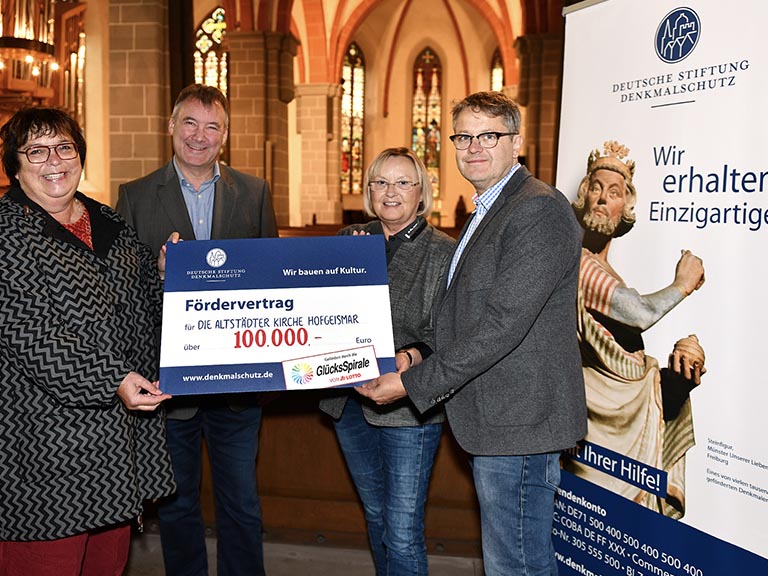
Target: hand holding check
(385,389)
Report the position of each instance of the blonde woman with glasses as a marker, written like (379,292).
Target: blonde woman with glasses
(390,450)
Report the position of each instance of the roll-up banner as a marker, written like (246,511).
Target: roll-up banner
(663,150)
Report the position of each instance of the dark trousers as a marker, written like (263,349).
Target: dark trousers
(232,441)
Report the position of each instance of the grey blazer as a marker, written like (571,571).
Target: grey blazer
(507,363)
(154,206)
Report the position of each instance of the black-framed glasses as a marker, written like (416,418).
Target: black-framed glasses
(485,139)
(383,185)
(40,154)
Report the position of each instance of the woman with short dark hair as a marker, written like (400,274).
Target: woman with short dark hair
(82,443)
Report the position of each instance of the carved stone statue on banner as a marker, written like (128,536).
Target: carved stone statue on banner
(636,407)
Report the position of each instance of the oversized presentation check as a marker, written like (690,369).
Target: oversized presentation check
(275,314)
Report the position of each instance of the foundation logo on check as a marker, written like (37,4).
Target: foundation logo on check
(216,258)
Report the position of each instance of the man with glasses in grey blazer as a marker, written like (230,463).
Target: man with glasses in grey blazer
(506,363)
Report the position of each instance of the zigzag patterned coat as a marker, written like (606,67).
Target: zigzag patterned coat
(73,323)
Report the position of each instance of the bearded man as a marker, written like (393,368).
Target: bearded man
(635,408)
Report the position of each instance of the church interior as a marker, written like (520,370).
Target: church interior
(317,88)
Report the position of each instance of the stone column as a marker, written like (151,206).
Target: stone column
(260,87)
(138,89)
(318,124)
(541,74)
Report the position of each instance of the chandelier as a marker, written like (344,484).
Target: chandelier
(27,57)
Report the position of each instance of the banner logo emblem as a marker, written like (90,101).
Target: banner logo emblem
(216,258)
(677,35)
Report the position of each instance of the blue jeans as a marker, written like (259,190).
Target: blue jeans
(517,505)
(232,440)
(390,467)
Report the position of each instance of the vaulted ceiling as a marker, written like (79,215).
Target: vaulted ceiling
(325,27)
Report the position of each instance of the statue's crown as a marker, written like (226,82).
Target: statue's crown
(612,159)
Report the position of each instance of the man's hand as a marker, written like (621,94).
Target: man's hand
(174,238)
(385,389)
(689,273)
(130,393)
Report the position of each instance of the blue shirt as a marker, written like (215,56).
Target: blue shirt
(199,202)
(483,204)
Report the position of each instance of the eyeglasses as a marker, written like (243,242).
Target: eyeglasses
(383,185)
(40,154)
(486,139)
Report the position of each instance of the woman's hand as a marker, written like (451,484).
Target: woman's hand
(405,359)
(138,393)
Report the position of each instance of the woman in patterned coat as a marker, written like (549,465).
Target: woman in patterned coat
(82,443)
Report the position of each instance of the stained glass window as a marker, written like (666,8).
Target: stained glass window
(426,116)
(210,57)
(497,71)
(352,120)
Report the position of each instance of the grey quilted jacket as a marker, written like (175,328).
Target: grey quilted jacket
(73,323)
(415,272)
